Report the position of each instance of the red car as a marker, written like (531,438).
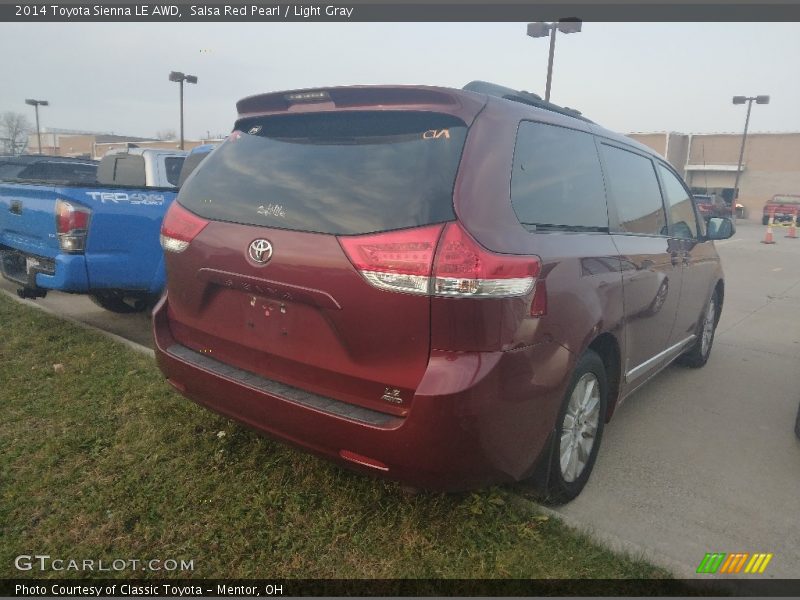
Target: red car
(440,286)
(783,207)
(711,205)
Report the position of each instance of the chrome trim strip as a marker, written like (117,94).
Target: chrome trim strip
(646,365)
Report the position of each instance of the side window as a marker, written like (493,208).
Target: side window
(635,192)
(73,172)
(556,178)
(34,172)
(173,166)
(681,210)
(129,170)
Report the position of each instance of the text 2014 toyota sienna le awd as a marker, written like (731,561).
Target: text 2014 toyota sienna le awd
(444,287)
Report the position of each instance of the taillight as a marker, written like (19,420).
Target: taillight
(400,261)
(439,261)
(464,268)
(72,223)
(179,228)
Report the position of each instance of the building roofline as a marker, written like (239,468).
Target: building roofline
(737,133)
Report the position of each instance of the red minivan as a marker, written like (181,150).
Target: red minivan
(444,287)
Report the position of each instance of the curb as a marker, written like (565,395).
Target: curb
(117,338)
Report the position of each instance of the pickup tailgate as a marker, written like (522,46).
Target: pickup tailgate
(27,218)
(122,248)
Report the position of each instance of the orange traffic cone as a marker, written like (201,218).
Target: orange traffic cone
(768,237)
(793,227)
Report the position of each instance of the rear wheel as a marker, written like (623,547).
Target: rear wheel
(578,430)
(764,220)
(122,303)
(698,355)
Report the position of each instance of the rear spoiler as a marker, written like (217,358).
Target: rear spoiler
(456,102)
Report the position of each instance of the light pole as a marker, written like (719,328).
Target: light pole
(742,100)
(180,78)
(538,30)
(36,104)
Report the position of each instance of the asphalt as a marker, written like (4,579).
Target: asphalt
(698,460)
(706,460)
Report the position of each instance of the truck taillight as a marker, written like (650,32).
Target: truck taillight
(72,223)
(179,228)
(440,261)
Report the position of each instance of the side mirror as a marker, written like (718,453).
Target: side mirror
(720,228)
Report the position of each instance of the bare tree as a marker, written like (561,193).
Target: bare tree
(166,134)
(14,129)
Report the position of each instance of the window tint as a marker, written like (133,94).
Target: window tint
(681,211)
(34,172)
(129,170)
(634,189)
(341,173)
(173,166)
(10,170)
(189,165)
(71,172)
(557,178)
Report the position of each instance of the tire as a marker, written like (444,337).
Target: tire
(574,454)
(121,303)
(764,220)
(697,355)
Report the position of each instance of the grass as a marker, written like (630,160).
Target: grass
(103,460)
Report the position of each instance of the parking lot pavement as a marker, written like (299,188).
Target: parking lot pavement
(135,328)
(698,460)
(705,460)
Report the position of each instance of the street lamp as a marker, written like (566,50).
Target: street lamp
(180,78)
(36,104)
(742,100)
(538,30)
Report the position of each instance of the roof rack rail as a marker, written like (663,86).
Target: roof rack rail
(500,91)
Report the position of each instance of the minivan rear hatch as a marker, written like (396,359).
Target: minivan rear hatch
(313,230)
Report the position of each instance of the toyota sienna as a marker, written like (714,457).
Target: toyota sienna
(444,287)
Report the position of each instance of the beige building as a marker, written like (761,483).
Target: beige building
(57,142)
(708,163)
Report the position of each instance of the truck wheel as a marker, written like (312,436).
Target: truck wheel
(578,430)
(764,220)
(119,302)
(698,355)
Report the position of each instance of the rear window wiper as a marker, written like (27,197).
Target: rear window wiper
(563,227)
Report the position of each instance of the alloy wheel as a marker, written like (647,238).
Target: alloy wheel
(579,427)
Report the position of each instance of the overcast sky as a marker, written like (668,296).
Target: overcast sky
(628,77)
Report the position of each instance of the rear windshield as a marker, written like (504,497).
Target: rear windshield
(189,165)
(173,165)
(341,173)
(702,200)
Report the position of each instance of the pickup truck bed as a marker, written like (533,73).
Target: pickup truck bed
(121,252)
(90,238)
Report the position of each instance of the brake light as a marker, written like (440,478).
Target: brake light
(399,261)
(179,228)
(439,261)
(464,268)
(72,223)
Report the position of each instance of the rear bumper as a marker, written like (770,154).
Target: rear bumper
(66,272)
(477,418)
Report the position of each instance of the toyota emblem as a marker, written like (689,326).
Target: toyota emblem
(260,251)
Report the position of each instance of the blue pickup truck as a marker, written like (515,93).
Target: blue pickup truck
(99,238)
